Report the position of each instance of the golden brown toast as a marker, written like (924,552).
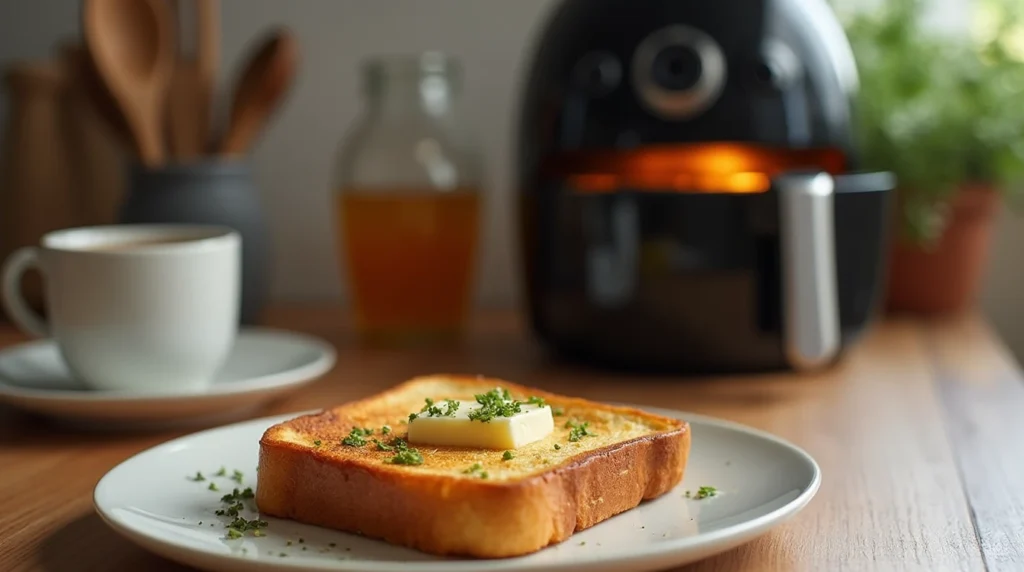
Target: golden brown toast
(460,501)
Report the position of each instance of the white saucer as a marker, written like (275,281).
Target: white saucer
(264,364)
(762,481)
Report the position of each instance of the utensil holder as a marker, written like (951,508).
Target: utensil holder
(218,192)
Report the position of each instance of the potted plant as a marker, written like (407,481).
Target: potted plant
(945,113)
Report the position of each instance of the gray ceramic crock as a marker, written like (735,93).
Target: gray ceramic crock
(213,192)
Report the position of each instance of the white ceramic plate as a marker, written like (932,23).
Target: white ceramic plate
(762,481)
(264,364)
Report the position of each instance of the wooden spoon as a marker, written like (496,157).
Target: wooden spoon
(260,90)
(132,45)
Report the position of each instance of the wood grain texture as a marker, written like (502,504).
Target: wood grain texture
(912,409)
(984,397)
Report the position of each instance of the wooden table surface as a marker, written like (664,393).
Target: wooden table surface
(919,434)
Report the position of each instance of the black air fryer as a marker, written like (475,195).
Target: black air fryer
(688,186)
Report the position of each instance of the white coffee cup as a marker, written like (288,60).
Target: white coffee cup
(134,308)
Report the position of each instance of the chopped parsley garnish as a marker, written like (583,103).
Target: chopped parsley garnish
(396,444)
(404,454)
(199,477)
(450,407)
(213,486)
(332,545)
(302,540)
(242,524)
(557,446)
(558,411)
(239,525)
(477,469)
(408,457)
(385,430)
(356,437)
(497,402)
(508,456)
(317,442)
(705,492)
(237,495)
(431,409)
(222,472)
(577,431)
(538,401)
(236,476)
(232,510)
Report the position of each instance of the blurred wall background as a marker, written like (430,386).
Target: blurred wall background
(492,37)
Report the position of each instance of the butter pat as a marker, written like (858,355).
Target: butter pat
(531,424)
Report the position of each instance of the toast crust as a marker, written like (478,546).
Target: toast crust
(438,509)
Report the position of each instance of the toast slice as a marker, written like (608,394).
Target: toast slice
(461,501)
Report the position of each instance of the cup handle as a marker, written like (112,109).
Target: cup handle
(17,264)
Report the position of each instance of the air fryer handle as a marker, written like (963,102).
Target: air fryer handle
(807,245)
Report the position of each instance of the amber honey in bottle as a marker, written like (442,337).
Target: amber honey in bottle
(408,204)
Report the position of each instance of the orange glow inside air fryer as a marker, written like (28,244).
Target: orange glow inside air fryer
(709,168)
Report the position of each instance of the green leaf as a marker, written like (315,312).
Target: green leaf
(939,110)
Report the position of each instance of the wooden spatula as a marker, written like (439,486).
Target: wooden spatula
(191,90)
(260,89)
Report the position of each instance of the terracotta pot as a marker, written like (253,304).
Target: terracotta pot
(945,278)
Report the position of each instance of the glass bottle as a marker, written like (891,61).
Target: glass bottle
(408,202)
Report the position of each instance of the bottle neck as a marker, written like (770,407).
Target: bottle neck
(409,87)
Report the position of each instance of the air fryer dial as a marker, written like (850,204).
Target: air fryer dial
(678,72)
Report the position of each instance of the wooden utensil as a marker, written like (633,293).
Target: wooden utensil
(132,44)
(191,90)
(260,90)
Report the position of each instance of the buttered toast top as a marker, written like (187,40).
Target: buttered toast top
(403,429)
